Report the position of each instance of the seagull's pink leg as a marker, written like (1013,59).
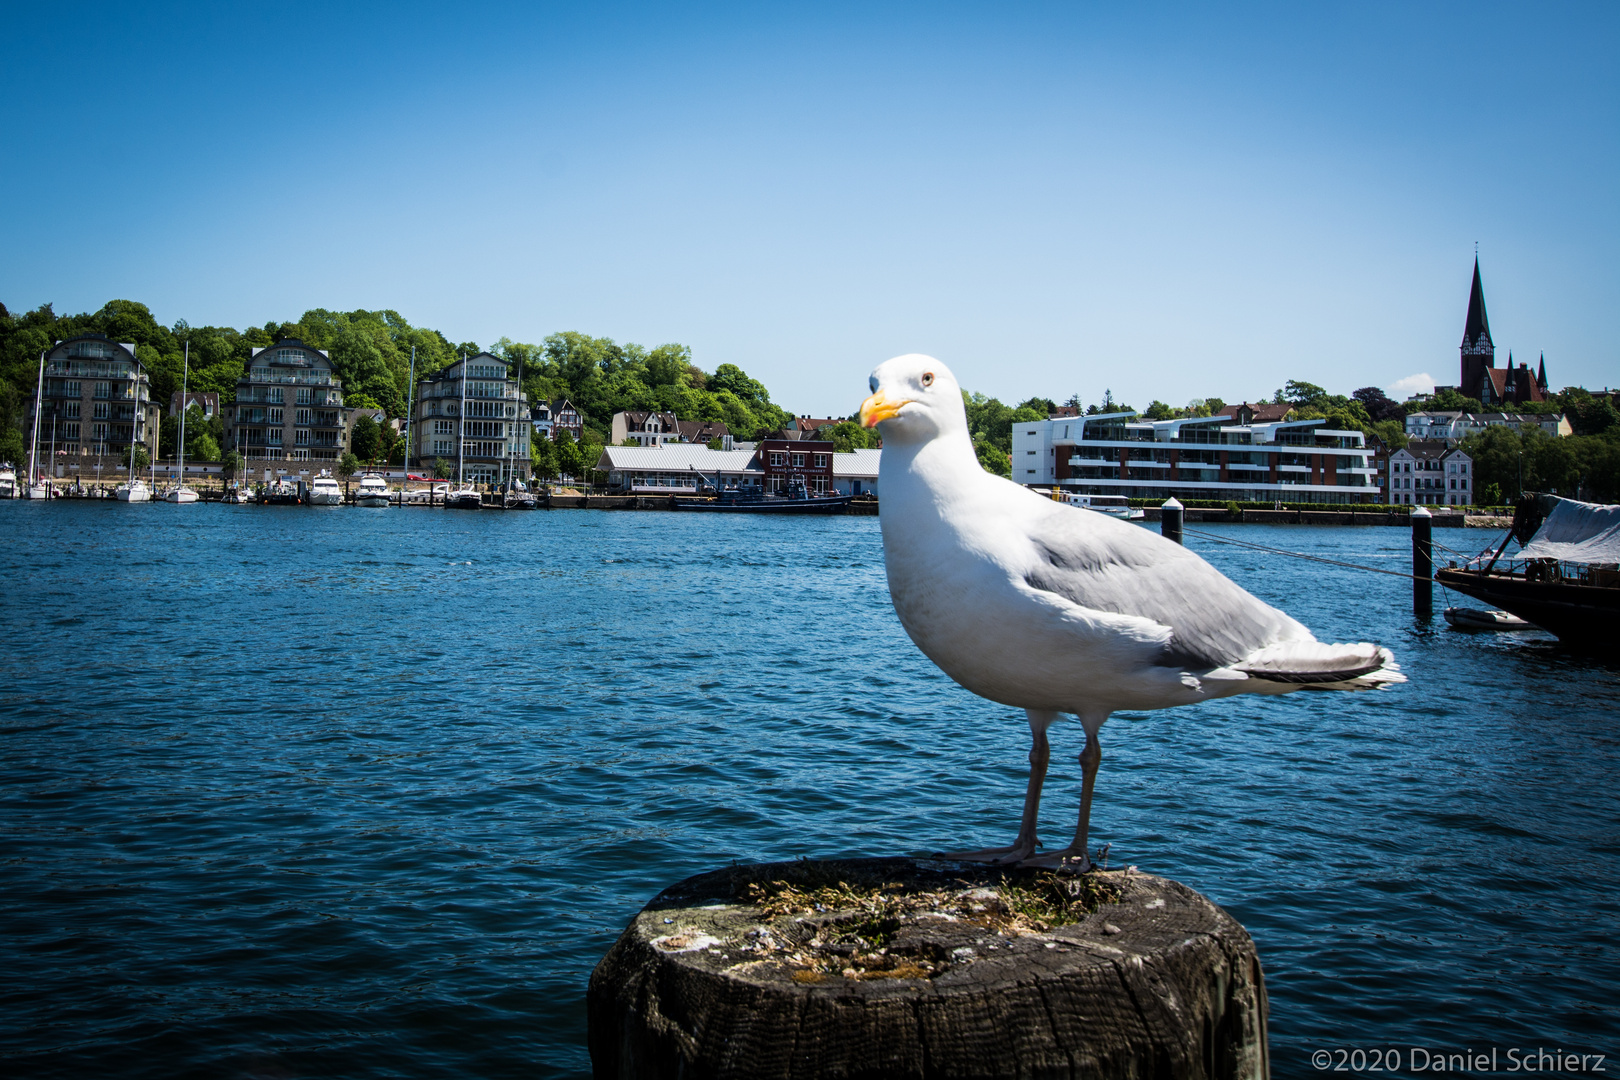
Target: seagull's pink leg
(1091,757)
(1040,753)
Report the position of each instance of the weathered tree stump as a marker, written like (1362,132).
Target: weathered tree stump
(917,968)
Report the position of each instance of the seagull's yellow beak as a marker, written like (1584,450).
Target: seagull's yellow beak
(880,407)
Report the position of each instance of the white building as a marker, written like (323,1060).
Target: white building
(1431,473)
(679,469)
(1208,457)
(662,428)
(1455,426)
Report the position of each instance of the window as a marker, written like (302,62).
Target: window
(275,394)
(778,459)
(303,395)
(301,436)
(1031,453)
(273,436)
(276,414)
(821,461)
(71,409)
(302,417)
(101,410)
(441,427)
(103,389)
(73,389)
(798,461)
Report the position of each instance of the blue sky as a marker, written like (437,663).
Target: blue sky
(1170,203)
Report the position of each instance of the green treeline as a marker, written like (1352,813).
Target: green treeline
(371,352)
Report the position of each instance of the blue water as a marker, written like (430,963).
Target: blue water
(297,792)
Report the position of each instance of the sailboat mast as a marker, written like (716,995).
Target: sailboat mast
(410,427)
(185,382)
(461,424)
(33,443)
(135,422)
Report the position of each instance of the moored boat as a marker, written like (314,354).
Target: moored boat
(1565,578)
(1476,619)
(178,493)
(236,494)
(324,491)
(752,500)
(373,491)
(464,498)
(8,481)
(1113,505)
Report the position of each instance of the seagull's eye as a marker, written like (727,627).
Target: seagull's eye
(872,382)
(928,378)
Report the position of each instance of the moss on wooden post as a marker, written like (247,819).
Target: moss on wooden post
(916,968)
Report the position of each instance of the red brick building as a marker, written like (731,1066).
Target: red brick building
(783,459)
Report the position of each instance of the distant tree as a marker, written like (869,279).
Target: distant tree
(1215,405)
(1378,404)
(1073,402)
(847,435)
(11,446)
(141,458)
(1490,494)
(542,456)
(1450,400)
(441,469)
(348,464)
(570,462)
(230,464)
(203,449)
(717,443)
(992,458)
(1297,393)
(364,438)
(1158,410)
(1045,406)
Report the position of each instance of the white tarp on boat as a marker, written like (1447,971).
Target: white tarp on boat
(1577,532)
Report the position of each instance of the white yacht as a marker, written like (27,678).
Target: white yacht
(373,491)
(324,491)
(179,493)
(8,482)
(133,491)
(1112,505)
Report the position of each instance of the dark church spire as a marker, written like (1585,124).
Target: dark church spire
(1477,326)
(1541,375)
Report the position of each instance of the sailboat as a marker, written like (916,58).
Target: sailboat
(179,493)
(37,487)
(465,497)
(133,490)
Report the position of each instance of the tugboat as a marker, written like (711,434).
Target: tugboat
(1565,577)
(735,499)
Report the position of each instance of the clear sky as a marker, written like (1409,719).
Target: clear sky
(1171,202)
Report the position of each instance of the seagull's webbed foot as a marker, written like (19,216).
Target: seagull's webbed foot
(1067,859)
(1000,856)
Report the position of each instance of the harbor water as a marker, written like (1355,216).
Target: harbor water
(299,792)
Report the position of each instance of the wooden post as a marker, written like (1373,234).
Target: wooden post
(1422,561)
(920,969)
(1170,519)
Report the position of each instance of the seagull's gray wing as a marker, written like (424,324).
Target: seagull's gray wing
(1107,565)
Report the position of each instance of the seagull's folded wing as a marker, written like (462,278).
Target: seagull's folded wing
(1107,565)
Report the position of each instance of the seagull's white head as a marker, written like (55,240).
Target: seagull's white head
(915,398)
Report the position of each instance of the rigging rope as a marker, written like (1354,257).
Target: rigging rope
(1300,555)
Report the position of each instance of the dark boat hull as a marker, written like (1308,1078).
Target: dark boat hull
(1581,615)
(831,505)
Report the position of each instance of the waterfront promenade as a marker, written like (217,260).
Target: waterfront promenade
(286,796)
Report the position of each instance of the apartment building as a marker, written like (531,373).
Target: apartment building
(474,415)
(1431,473)
(1454,426)
(288,407)
(95,400)
(1209,457)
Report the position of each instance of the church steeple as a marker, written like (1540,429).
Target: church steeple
(1477,328)
(1478,352)
(1541,374)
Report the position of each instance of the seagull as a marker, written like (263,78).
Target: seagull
(1056,609)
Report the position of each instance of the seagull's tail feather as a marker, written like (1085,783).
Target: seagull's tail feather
(1312,665)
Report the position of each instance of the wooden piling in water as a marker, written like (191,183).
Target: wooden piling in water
(1171,514)
(1422,562)
(905,968)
